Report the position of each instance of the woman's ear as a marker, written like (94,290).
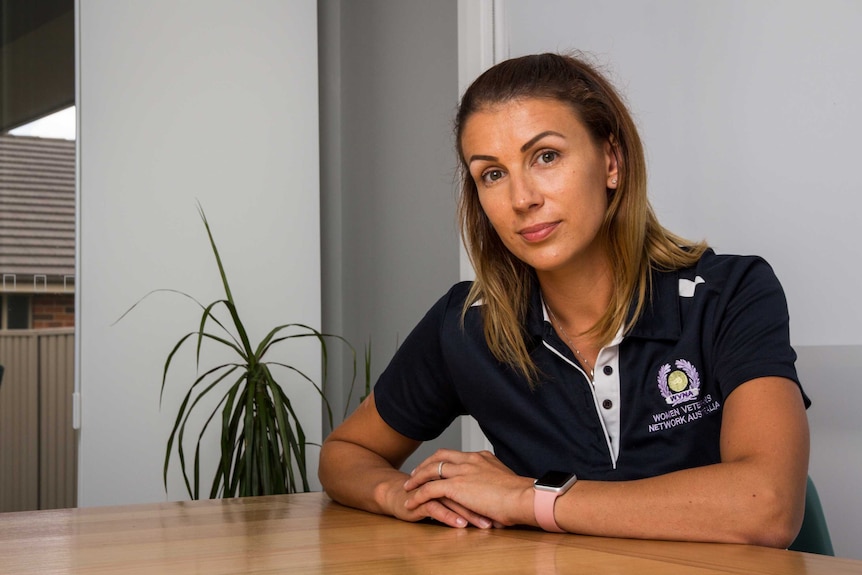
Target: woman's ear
(612,164)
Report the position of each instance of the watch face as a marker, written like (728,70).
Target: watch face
(554,478)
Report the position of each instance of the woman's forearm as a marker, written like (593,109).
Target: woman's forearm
(357,477)
(726,502)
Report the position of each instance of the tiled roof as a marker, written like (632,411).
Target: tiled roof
(37,211)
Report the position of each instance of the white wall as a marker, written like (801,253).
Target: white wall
(209,100)
(750,119)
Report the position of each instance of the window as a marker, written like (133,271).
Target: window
(38,461)
(15,312)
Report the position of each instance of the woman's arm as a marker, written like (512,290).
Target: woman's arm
(359,465)
(755,495)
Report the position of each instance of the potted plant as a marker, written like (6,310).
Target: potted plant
(262,443)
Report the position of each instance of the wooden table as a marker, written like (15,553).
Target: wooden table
(309,534)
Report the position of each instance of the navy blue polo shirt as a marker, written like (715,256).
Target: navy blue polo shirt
(659,392)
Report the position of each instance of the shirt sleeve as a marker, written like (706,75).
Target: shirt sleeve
(753,337)
(415,394)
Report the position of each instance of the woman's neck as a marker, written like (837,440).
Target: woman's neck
(579,295)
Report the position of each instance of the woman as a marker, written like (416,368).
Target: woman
(654,376)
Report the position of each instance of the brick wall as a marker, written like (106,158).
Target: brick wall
(53,310)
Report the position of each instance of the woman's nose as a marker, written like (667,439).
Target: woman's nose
(525,196)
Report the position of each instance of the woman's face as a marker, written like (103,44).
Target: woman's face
(542,181)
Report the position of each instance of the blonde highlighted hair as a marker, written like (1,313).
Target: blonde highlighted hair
(637,243)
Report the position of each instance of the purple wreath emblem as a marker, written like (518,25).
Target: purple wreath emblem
(691,392)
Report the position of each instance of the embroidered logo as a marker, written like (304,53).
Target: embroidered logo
(680,384)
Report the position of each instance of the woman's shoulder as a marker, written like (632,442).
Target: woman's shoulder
(451,303)
(456,296)
(728,274)
(461,289)
(727,266)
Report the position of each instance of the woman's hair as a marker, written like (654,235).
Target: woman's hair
(637,243)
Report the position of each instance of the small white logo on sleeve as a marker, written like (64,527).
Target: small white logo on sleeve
(687,287)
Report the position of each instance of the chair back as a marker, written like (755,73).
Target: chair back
(814,535)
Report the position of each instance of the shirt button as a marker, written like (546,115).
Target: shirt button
(607,404)
(607,370)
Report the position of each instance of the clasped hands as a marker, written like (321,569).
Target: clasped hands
(467,488)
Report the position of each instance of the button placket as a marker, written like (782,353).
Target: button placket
(607,391)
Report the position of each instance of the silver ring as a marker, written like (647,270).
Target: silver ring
(440,469)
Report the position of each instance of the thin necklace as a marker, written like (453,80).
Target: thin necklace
(592,373)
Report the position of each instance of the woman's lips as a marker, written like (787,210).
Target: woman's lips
(538,232)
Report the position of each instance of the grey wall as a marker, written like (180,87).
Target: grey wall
(178,102)
(750,119)
(389,88)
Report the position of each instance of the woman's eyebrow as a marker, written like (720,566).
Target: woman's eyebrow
(524,148)
(475,157)
(538,137)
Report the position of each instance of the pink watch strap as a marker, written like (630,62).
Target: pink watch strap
(543,508)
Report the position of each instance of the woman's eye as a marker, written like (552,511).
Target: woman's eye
(547,157)
(492,176)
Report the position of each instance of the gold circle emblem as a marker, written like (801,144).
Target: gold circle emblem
(677,381)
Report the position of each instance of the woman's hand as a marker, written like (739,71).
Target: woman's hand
(475,486)
(443,510)
(359,467)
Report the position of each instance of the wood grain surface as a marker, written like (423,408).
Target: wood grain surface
(309,534)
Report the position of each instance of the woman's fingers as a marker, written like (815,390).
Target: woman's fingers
(449,513)
(473,518)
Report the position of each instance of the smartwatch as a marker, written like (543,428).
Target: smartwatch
(546,489)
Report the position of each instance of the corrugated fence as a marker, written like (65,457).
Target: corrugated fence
(38,447)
